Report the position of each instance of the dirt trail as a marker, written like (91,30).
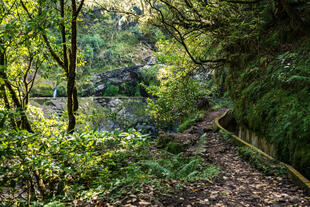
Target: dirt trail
(239,184)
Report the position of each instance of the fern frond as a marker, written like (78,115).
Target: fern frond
(158,170)
(188,168)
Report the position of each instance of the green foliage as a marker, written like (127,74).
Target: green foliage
(149,76)
(186,124)
(65,165)
(180,167)
(177,96)
(174,148)
(191,120)
(130,89)
(162,141)
(166,142)
(276,103)
(226,136)
(111,90)
(5,117)
(110,41)
(57,168)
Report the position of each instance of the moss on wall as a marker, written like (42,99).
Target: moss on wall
(271,95)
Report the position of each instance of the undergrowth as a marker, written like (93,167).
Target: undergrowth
(180,167)
(226,136)
(57,169)
(271,97)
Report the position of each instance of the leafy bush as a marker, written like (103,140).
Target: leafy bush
(53,168)
(64,165)
(149,75)
(186,124)
(111,90)
(177,96)
(180,87)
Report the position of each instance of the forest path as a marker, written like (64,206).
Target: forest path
(238,184)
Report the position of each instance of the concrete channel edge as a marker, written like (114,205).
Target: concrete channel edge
(296,176)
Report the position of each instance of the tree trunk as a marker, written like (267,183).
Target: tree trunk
(24,120)
(7,106)
(71,82)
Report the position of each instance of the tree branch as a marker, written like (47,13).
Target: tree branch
(79,8)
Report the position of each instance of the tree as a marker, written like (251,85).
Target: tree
(202,27)
(19,62)
(66,57)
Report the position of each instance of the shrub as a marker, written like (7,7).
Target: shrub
(111,90)
(64,165)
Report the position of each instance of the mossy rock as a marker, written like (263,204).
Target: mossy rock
(175,148)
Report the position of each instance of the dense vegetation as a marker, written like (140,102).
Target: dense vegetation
(259,54)
(250,55)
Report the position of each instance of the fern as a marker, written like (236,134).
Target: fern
(157,169)
(210,173)
(299,78)
(188,168)
(193,175)
(180,167)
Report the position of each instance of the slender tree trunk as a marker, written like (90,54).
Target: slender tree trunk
(64,39)
(24,120)
(75,98)
(71,82)
(69,67)
(69,60)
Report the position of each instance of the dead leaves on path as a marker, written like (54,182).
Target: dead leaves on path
(238,185)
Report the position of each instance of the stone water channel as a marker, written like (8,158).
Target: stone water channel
(105,113)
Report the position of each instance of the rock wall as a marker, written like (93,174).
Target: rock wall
(124,81)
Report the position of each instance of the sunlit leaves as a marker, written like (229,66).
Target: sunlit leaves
(62,162)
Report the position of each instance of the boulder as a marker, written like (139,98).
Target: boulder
(127,80)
